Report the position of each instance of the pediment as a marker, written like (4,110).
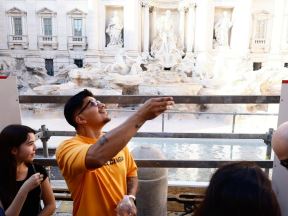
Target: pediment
(46,11)
(15,11)
(263,14)
(77,11)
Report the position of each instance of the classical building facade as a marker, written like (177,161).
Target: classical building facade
(53,33)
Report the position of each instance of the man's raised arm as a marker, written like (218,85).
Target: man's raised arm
(113,141)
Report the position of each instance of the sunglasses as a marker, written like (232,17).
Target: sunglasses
(284,163)
(94,103)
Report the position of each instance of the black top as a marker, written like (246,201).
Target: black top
(32,205)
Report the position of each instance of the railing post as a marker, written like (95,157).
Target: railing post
(44,140)
(267,141)
(163,120)
(233,121)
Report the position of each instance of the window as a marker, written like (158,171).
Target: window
(78,62)
(257,66)
(261,29)
(77,27)
(47,23)
(286,64)
(17,25)
(49,66)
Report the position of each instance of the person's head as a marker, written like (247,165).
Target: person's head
(280,143)
(82,110)
(17,145)
(238,189)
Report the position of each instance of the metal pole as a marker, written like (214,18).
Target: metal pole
(233,121)
(163,122)
(44,140)
(267,141)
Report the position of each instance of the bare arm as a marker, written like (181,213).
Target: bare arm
(113,141)
(132,185)
(18,202)
(48,199)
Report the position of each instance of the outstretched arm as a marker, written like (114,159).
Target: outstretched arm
(113,141)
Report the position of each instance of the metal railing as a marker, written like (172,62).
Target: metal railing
(44,134)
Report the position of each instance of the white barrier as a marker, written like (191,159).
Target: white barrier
(9,102)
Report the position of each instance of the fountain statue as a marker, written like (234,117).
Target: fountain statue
(222,28)
(165,46)
(114,31)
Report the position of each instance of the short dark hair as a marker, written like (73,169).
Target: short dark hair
(73,104)
(239,188)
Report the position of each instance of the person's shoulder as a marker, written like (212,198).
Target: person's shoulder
(67,143)
(39,168)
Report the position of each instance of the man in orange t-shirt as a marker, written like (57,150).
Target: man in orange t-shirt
(98,168)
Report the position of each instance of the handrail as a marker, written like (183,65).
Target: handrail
(172,135)
(267,164)
(44,134)
(132,99)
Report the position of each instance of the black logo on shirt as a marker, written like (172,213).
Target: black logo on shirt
(114,160)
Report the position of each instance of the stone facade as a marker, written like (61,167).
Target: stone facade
(54,33)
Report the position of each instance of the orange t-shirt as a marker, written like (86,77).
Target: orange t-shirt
(94,192)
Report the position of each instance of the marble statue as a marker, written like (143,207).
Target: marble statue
(164,46)
(222,28)
(114,31)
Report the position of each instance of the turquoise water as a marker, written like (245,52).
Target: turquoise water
(202,149)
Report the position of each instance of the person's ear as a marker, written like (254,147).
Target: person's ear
(80,120)
(14,151)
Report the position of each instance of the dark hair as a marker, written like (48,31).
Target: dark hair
(11,136)
(238,189)
(73,104)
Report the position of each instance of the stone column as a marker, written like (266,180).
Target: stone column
(204,26)
(240,34)
(60,23)
(153,23)
(190,28)
(277,32)
(93,25)
(145,26)
(3,27)
(32,24)
(181,10)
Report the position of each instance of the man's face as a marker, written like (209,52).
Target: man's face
(94,112)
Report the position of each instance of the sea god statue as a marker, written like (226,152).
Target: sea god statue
(114,31)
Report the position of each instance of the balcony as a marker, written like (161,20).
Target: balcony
(47,41)
(77,41)
(260,45)
(18,40)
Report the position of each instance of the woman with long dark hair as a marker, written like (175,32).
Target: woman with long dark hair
(22,183)
(238,189)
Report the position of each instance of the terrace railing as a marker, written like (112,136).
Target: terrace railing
(44,134)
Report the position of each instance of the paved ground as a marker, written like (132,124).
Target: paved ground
(64,208)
